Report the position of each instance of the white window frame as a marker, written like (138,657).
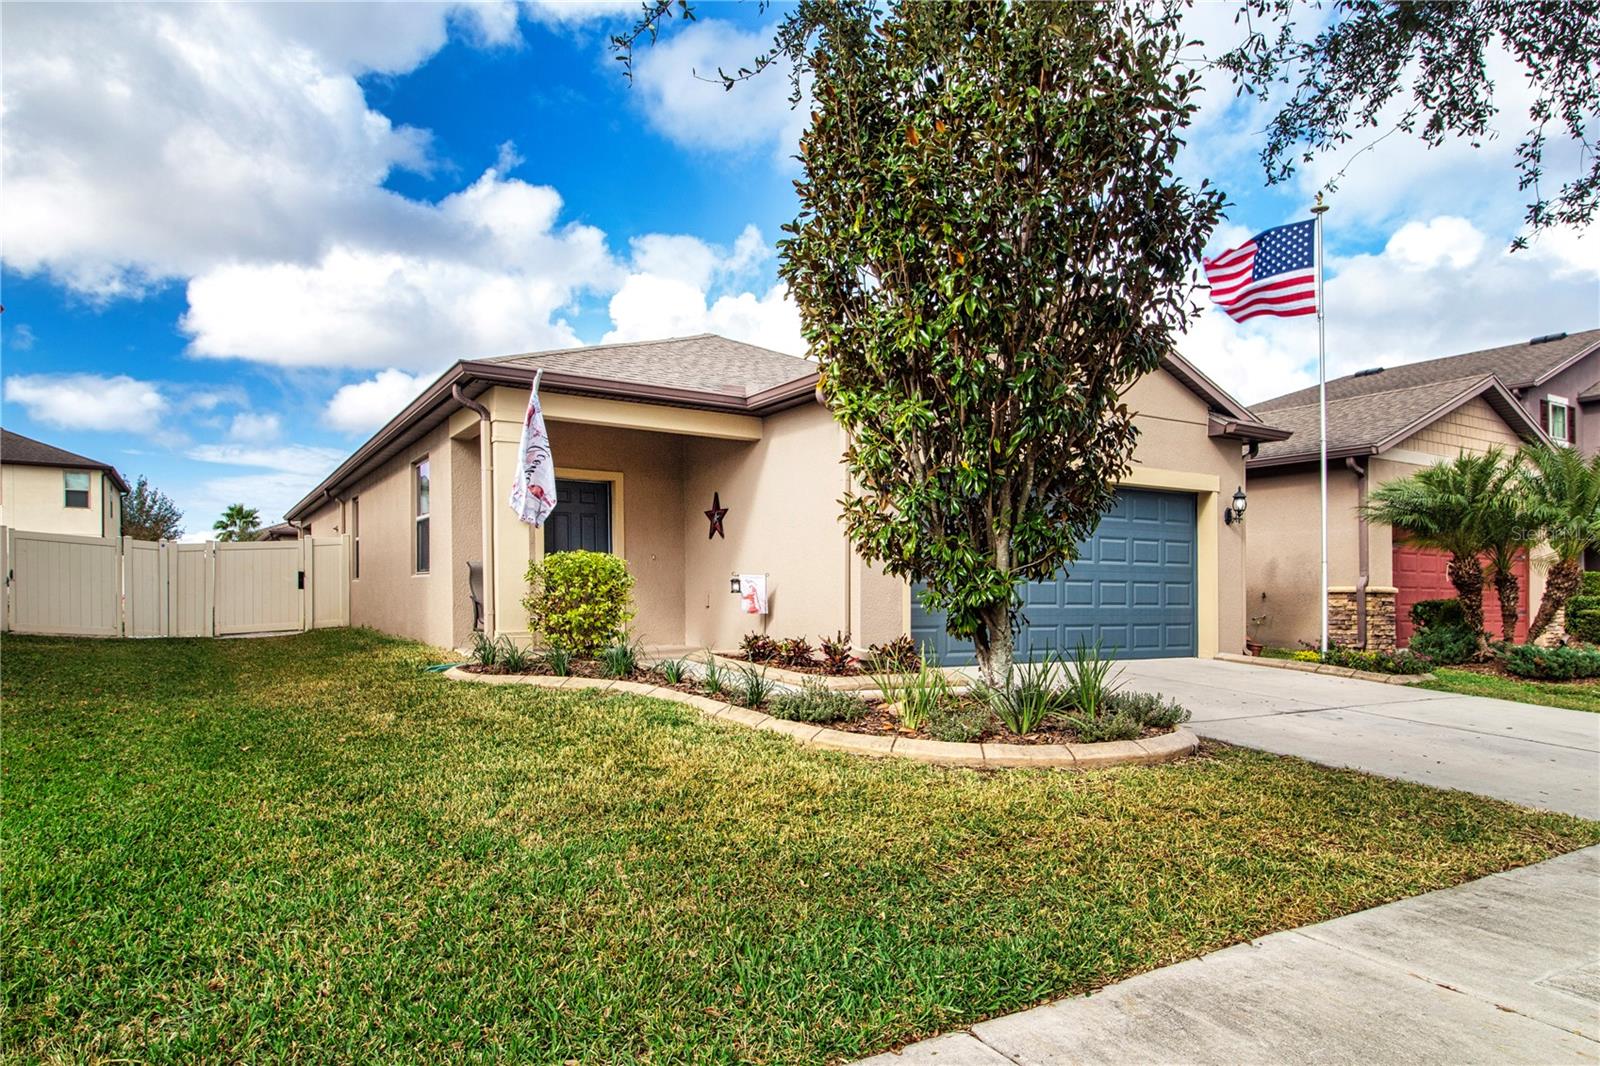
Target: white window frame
(1552,404)
(421,509)
(87,490)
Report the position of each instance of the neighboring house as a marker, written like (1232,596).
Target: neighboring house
(1385,424)
(281,531)
(45,489)
(646,434)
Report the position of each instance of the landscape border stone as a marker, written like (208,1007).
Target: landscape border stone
(1164,748)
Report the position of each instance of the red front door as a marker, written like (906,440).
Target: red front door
(1423,574)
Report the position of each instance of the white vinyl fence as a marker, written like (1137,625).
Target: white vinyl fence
(110,586)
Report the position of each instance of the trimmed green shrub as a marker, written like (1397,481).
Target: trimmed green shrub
(1445,645)
(1307,655)
(1108,725)
(1150,709)
(1428,613)
(816,702)
(579,601)
(1550,664)
(1590,583)
(1583,617)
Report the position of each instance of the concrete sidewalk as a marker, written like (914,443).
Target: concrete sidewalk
(1501,970)
(1544,757)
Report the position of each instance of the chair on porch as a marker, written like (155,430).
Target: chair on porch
(475,593)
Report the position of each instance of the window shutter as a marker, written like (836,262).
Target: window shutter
(1544,415)
(1572,425)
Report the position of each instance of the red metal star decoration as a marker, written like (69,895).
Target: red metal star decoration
(716,515)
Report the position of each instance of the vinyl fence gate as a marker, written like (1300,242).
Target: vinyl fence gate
(116,586)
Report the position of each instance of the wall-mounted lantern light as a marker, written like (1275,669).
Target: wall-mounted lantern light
(733,585)
(1235,512)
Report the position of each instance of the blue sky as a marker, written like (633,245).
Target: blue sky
(237,239)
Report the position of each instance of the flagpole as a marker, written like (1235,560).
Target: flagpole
(1319,209)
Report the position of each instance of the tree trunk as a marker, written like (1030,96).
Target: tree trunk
(1466,574)
(1559,586)
(996,646)
(1506,588)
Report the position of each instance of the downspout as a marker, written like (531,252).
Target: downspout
(1360,471)
(485,500)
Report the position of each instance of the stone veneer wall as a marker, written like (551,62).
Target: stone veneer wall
(1342,618)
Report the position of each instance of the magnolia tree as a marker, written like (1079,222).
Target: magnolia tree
(991,246)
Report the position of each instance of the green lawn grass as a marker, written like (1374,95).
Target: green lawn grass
(1577,697)
(304,848)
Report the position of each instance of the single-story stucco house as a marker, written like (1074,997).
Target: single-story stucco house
(645,435)
(45,489)
(1385,424)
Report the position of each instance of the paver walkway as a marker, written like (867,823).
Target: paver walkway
(1545,757)
(1501,970)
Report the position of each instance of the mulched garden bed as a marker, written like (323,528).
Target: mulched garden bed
(876,718)
(879,720)
(816,669)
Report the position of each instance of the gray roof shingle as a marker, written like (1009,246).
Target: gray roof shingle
(25,451)
(704,363)
(1517,365)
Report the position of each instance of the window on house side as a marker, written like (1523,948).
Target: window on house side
(422,515)
(1557,419)
(77,483)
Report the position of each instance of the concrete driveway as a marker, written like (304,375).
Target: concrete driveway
(1543,757)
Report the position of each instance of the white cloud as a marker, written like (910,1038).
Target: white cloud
(668,293)
(499,283)
(250,427)
(1438,287)
(366,405)
(303,459)
(88,401)
(682,97)
(22,338)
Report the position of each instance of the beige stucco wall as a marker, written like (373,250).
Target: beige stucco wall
(390,594)
(34,498)
(782,521)
(1285,550)
(1176,452)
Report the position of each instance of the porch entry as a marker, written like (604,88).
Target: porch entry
(582,518)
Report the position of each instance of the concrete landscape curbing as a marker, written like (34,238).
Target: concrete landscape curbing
(1324,668)
(1164,748)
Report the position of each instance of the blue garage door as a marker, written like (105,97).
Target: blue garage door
(1132,589)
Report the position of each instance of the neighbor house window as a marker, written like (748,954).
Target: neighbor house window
(355,537)
(77,488)
(1559,428)
(422,516)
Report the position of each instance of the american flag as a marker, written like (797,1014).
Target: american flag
(1273,273)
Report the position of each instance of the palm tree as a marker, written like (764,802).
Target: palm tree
(1564,502)
(1444,507)
(238,522)
(1509,530)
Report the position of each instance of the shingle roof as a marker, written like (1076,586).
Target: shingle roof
(1359,421)
(1591,393)
(25,451)
(1517,365)
(704,363)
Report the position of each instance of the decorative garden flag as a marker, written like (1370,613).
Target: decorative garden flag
(533,495)
(753,593)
